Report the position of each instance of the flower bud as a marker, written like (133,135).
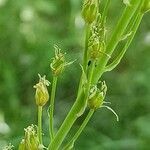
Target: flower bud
(146,6)
(89,11)
(97,96)
(41,95)
(30,142)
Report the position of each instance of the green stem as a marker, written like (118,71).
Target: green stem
(124,21)
(90,75)
(85,55)
(98,6)
(132,28)
(135,27)
(118,32)
(104,15)
(77,134)
(76,111)
(40,124)
(51,113)
(68,122)
(80,103)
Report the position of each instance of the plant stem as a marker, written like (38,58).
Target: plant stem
(40,124)
(68,122)
(77,134)
(134,24)
(94,74)
(83,125)
(51,113)
(77,110)
(85,55)
(104,15)
(118,32)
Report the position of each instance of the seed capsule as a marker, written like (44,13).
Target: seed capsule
(58,64)
(96,99)
(97,96)
(89,11)
(30,141)
(41,95)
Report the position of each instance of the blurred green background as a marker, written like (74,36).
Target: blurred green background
(28,30)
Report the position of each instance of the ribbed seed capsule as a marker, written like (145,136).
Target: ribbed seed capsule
(30,141)
(96,101)
(89,11)
(96,46)
(96,50)
(97,96)
(41,95)
(58,63)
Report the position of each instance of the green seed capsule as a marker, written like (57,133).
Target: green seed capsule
(58,64)
(30,142)
(97,96)
(96,101)
(41,95)
(97,49)
(94,51)
(89,11)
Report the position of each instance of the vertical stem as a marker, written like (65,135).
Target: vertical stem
(85,55)
(120,28)
(86,47)
(98,5)
(105,11)
(78,105)
(40,124)
(90,75)
(118,32)
(74,113)
(51,113)
(77,134)
(67,124)
(132,27)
